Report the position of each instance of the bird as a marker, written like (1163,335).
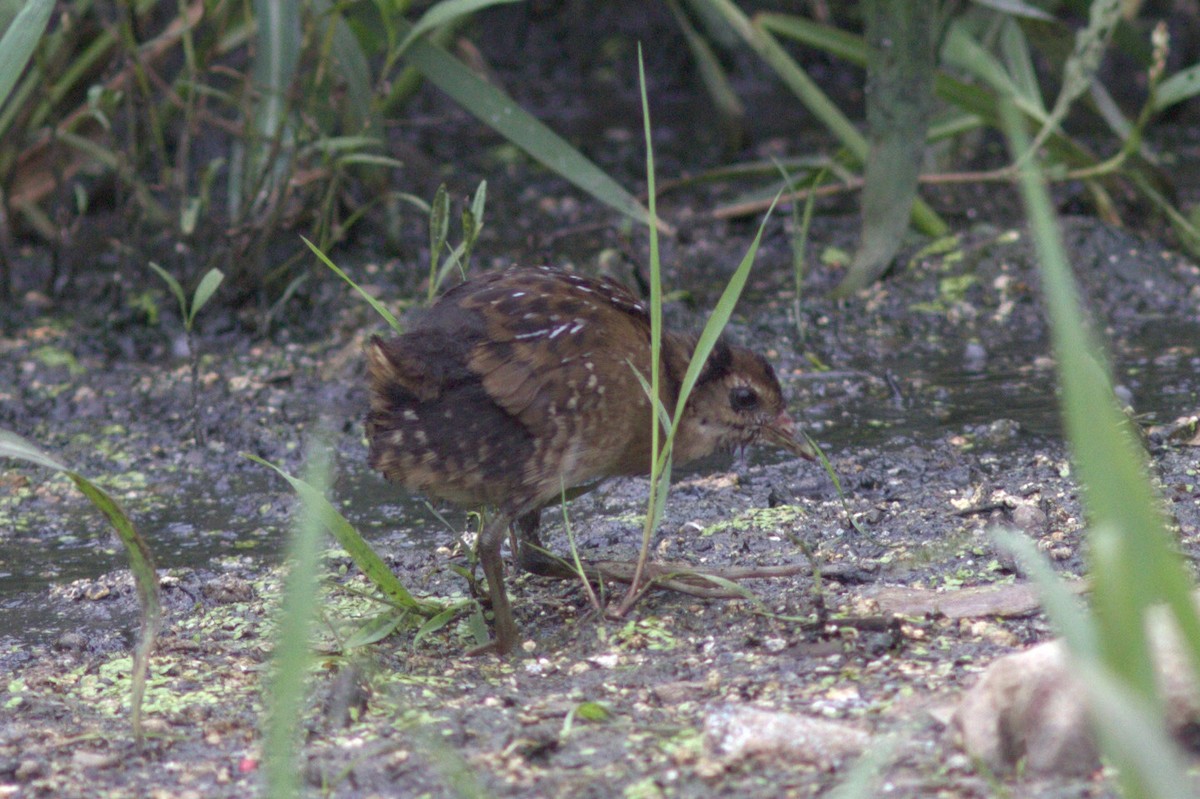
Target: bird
(523,383)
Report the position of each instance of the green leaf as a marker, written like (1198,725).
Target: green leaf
(16,46)
(374,303)
(440,620)
(592,711)
(719,317)
(276,54)
(353,73)
(379,627)
(1136,738)
(499,112)
(439,223)
(291,652)
(141,561)
(1016,8)
(1020,63)
(478,202)
(1183,85)
(730,110)
(442,13)
(364,557)
(1135,563)
(174,286)
(208,286)
(838,43)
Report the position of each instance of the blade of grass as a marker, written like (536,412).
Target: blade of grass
(1134,563)
(659,477)
(498,111)
(364,557)
(660,457)
(1112,464)
(374,303)
(291,656)
(18,41)
(141,561)
(441,14)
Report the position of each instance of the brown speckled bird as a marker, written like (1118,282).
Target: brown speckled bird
(521,382)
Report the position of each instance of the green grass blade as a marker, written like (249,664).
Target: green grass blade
(364,557)
(730,110)
(1019,60)
(291,656)
(498,111)
(374,303)
(719,317)
(174,286)
(439,620)
(141,561)
(18,41)
(443,13)
(376,629)
(1063,607)
(1134,563)
(838,43)
(353,70)
(1134,736)
(276,54)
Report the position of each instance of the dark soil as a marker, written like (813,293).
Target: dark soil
(932,393)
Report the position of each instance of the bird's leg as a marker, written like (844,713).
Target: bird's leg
(493,569)
(531,555)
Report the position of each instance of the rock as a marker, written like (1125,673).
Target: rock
(1030,706)
(735,733)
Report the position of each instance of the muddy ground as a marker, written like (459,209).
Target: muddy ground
(931,393)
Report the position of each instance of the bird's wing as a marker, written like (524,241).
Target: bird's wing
(556,344)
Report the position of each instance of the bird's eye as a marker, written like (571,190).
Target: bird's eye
(743,398)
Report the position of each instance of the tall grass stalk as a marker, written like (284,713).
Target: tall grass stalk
(291,657)
(1133,561)
(141,561)
(664,422)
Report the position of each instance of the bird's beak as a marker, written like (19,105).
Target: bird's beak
(782,432)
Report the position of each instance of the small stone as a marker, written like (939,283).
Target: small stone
(737,733)
(1030,519)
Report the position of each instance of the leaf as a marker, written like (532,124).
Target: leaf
(478,202)
(1135,564)
(1183,85)
(374,303)
(442,13)
(439,223)
(141,561)
(291,649)
(16,46)
(353,74)
(276,54)
(440,620)
(174,286)
(364,557)
(499,112)
(379,627)
(1016,8)
(592,711)
(208,286)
